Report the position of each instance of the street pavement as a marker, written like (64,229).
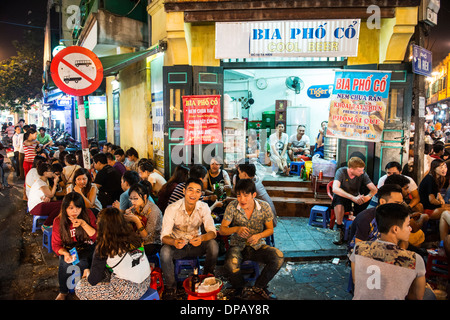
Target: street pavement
(29,272)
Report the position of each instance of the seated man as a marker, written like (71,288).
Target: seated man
(248,171)
(249,222)
(299,143)
(364,227)
(278,147)
(381,270)
(107,179)
(346,185)
(181,235)
(438,150)
(413,199)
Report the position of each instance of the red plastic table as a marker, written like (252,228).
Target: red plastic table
(200,296)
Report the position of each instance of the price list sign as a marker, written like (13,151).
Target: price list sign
(202,119)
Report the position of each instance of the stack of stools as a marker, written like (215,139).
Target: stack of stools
(156,281)
(151,294)
(47,239)
(317,211)
(296,167)
(185,264)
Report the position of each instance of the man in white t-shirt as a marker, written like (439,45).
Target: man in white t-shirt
(278,147)
(299,143)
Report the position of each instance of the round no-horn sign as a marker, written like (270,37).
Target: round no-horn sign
(76,71)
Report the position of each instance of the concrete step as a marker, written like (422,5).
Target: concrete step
(286,182)
(297,207)
(290,192)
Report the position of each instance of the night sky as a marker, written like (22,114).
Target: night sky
(17,11)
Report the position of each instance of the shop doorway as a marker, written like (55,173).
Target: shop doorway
(181,81)
(265,97)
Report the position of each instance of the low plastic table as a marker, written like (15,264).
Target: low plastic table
(200,296)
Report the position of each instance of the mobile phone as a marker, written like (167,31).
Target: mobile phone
(74,253)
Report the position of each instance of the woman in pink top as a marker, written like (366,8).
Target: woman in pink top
(75,228)
(29,145)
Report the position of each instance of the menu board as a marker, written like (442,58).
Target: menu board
(358,105)
(202,119)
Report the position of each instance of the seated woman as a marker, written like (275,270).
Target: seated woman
(118,253)
(83,185)
(69,169)
(75,228)
(430,187)
(148,172)
(40,196)
(180,175)
(145,217)
(33,175)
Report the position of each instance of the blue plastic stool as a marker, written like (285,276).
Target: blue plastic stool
(348,229)
(36,224)
(151,294)
(47,239)
(270,241)
(185,264)
(315,212)
(250,265)
(296,167)
(155,259)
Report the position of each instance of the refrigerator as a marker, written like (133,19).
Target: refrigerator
(295,116)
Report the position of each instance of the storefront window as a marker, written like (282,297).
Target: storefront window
(176,105)
(395,108)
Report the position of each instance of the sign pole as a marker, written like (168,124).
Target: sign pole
(83,133)
(419,104)
(78,71)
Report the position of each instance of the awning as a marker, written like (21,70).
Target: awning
(113,64)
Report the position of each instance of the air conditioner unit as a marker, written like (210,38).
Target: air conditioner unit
(428,11)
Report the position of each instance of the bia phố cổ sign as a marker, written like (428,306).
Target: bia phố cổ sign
(358,105)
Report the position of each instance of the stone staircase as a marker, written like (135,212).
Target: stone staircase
(293,197)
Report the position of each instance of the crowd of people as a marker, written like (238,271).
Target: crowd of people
(389,225)
(120,212)
(114,217)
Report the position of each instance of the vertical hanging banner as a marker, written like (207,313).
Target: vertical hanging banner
(202,119)
(358,105)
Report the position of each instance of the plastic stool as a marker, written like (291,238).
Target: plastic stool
(155,259)
(348,228)
(432,261)
(270,241)
(156,281)
(186,264)
(151,294)
(296,167)
(250,265)
(47,239)
(319,210)
(36,224)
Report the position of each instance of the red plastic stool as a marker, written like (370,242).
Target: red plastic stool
(156,281)
(200,296)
